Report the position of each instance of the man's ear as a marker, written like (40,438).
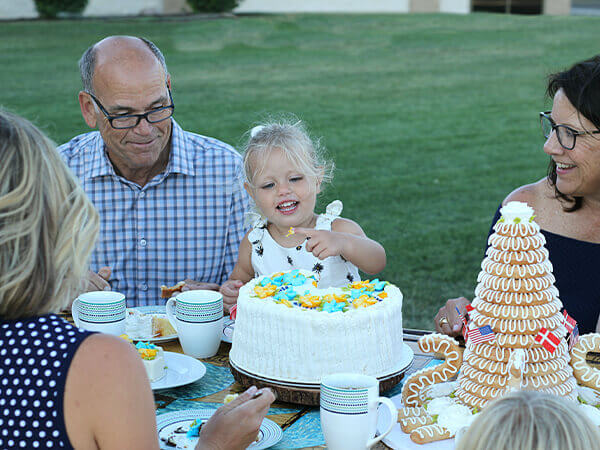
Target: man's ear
(88,109)
(249,190)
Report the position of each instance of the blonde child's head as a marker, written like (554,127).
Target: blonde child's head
(292,138)
(530,420)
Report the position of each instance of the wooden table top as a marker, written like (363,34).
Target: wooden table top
(286,420)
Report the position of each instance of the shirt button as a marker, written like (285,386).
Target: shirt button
(142,194)
(143,286)
(143,242)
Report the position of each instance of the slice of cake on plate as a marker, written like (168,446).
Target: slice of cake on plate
(154,360)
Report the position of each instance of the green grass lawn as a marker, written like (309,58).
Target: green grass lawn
(431,119)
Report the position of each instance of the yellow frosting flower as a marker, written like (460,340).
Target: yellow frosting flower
(310,301)
(361,284)
(266,291)
(382,295)
(364,301)
(148,353)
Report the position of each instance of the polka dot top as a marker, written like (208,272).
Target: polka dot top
(35,355)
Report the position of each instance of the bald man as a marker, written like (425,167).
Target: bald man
(171,202)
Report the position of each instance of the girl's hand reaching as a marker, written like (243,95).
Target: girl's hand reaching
(322,243)
(230,291)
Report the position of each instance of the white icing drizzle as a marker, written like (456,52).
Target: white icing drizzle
(470,399)
(493,352)
(480,390)
(530,257)
(433,432)
(516,244)
(513,327)
(516,312)
(515,284)
(514,229)
(516,271)
(532,369)
(411,411)
(516,298)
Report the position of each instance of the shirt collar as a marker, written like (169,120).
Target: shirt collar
(180,157)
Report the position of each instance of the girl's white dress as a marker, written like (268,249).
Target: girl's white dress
(269,257)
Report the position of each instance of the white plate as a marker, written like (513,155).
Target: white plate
(228,325)
(181,370)
(398,438)
(402,366)
(270,433)
(156,310)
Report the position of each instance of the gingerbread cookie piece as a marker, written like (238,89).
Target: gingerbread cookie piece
(585,374)
(432,343)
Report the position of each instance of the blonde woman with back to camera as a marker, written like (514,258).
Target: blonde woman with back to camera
(530,420)
(60,386)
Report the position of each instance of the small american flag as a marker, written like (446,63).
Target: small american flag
(482,334)
(233,312)
(569,322)
(573,337)
(548,340)
(465,328)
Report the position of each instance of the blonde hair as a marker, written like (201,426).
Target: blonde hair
(48,226)
(291,136)
(530,420)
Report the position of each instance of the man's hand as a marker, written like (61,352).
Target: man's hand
(235,425)
(447,320)
(322,243)
(99,281)
(230,290)
(191,285)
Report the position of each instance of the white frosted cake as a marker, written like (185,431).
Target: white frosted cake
(154,360)
(288,329)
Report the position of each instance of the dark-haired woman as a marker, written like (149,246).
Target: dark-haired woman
(567,201)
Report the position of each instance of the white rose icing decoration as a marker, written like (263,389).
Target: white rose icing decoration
(455,417)
(589,395)
(516,212)
(438,405)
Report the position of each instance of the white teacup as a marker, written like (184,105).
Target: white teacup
(102,311)
(349,411)
(198,318)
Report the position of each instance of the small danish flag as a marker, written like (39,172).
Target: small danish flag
(574,337)
(548,339)
(465,328)
(568,321)
(233,312)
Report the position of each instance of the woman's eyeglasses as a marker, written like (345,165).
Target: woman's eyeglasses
(566,135)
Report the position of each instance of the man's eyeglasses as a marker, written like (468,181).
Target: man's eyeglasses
(566,135)
(123,122)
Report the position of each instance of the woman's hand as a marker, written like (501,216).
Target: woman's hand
(447,320)
(236,424)
(230,290)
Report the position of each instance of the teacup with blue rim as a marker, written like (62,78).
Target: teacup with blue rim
(102,311)
(349,404)
(198,318)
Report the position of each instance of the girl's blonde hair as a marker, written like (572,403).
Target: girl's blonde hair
(48,226)
(530,420)
(291,136)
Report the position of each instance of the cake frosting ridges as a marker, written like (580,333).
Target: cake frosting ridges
(357,328)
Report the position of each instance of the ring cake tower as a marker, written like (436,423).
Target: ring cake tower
(516,298)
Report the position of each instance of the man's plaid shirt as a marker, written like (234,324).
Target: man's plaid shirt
(187,222)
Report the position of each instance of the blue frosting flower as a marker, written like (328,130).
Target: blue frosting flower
(194,430)
(265,281)
(380,285)
(333,306)
(355,293)
(145,345)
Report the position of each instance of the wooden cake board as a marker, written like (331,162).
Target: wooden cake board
(303,394)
